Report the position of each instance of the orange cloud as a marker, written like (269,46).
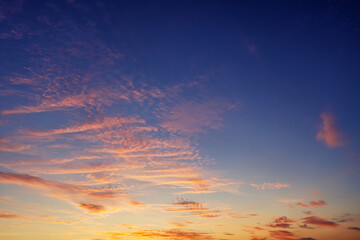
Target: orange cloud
(329,133)
(302,204)
(32,218)
(282,235)
(178,225)
(281,222)
(76,194)
(257,238)
(319,221)
(92,98)
(107,122)
(319,203)
(315,204)
(92,208)
(7,215)
(173,234)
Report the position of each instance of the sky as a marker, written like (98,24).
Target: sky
(179,120)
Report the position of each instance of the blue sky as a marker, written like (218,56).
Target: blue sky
(199,120)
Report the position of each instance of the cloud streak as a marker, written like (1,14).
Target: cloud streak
(319,222)
(265,186)
(76,194)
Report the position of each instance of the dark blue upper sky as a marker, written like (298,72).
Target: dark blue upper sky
(243,95)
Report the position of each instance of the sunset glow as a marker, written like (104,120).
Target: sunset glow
(179,120)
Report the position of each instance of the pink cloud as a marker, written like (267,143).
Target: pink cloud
(107,122)
(319,203)
(7,146)
(329,133)
(92,98)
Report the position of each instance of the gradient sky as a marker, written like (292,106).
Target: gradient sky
(179,120)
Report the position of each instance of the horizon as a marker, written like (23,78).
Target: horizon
(169,120)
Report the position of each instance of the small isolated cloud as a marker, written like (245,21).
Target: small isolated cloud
(318,203)
(281,222)
(188,205)
(329,133)
(319,221)
(306,226)
(308,212)
(92,208)
(354,228)
(252,49)
(264,186)
(302,204)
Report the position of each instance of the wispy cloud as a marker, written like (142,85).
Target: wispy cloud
(191,117)
(8,215)
(107,122)
(31,218)
(265,186)
(92,98)
(194,209)
(75,194)
(7,145)
(329,132)
(166,234)
(8,8)
(314,204)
